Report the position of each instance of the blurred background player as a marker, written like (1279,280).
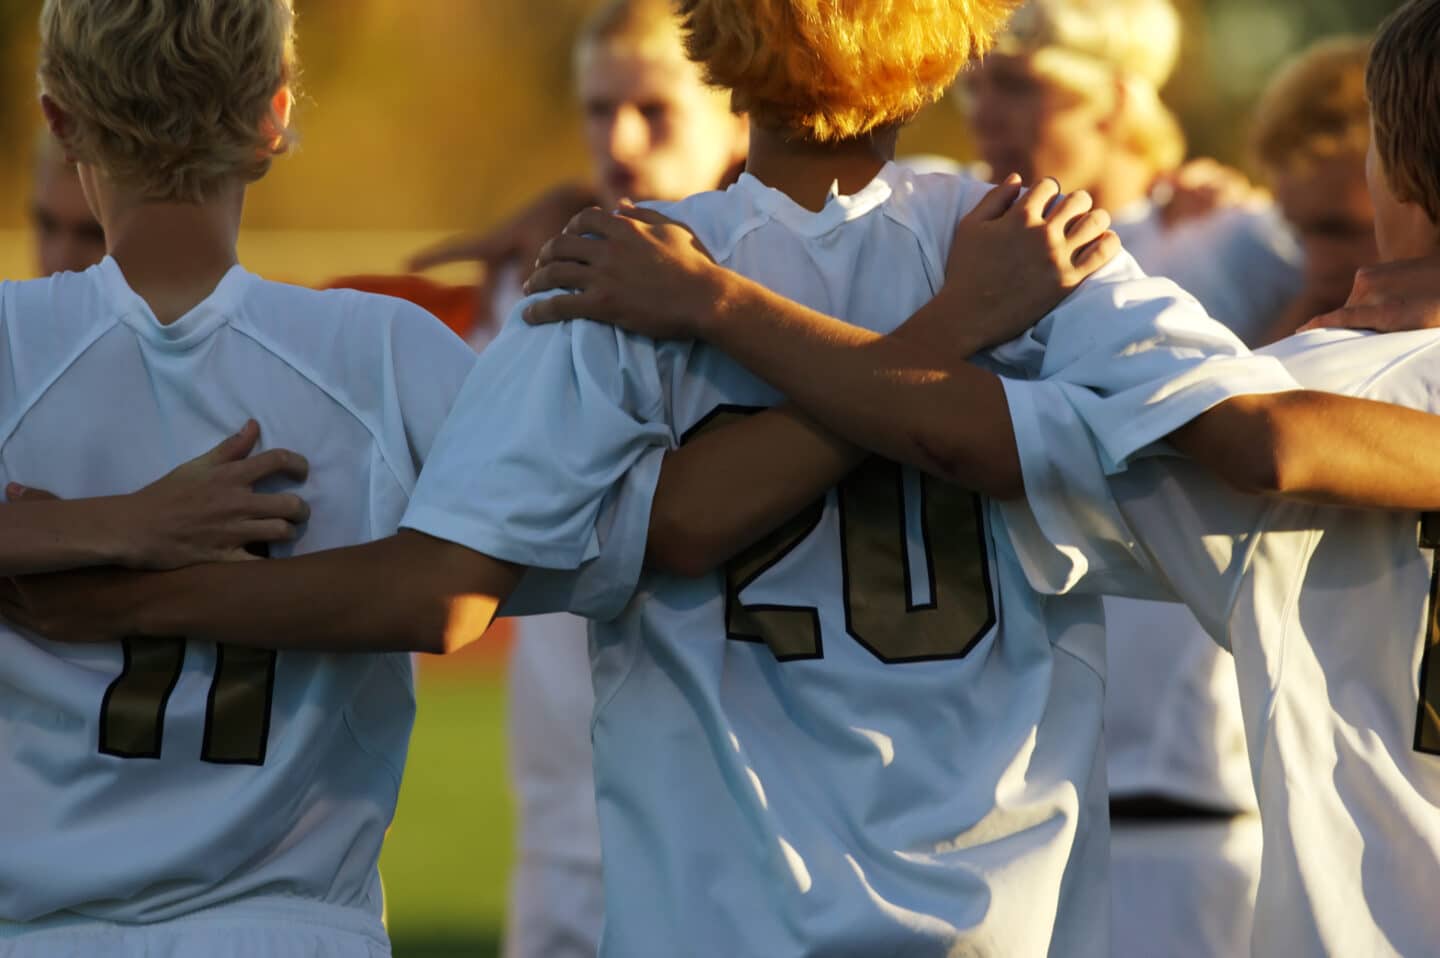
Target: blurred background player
(193,799)
(654,131)
(67,237)
(1309,136)
(1073,92)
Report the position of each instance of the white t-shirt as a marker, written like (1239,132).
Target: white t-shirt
(833,747)
(1329,613)
(1172,708)
(192,783)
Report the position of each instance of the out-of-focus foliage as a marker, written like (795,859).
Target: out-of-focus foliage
(448,113)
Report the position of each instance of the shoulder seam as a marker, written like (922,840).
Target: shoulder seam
(8,429)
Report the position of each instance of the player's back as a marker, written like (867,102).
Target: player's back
(1330,614)
(154,781)
(857,758)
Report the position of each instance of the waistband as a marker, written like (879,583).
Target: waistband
(276,910)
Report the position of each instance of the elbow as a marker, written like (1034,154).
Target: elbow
(452,624)
(989,465)
(679,546)
(1268,456)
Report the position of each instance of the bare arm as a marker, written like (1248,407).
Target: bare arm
(203,511)
(407,593)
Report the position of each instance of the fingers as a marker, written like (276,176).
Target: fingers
(1090,258)
(291,508)
(594,222)
(265,530)
(1383,318)
(997,201)
(272,462)
(561,275)
(18,493)
(1085,230)
(571,248)
(1033,207)
(232,448)
(1067,210)
(642,215)
(558,309)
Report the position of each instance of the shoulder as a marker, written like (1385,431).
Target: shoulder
(718,218)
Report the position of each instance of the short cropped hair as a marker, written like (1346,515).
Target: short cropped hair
(1315,108)
(642,27)
(1403,84)
(828,70)
(170,97)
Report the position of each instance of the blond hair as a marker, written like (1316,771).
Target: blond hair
(170,97)
(1403,84)
(647,28)
(1315,108)
(1088,46)
(829,70)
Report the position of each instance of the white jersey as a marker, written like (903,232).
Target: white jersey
(1172,708)
(1242,264)
(150,782)
(867,735)
(1330,614)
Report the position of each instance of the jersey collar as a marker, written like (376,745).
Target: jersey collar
(838,210)
(212,312)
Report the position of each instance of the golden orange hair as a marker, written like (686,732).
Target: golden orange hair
(830,70)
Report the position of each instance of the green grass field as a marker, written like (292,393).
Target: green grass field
(447,859)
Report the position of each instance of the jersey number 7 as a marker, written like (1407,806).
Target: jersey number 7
(879,568)
(237,713)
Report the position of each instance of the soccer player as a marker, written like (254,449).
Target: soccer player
(1311,131)
(67,238)
(186,798)
(1331,613)
(870,734)
(1072,91)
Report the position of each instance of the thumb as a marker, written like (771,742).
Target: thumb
(233,448)
(18,493)
(997,201)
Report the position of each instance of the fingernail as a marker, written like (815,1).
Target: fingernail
(1013,178)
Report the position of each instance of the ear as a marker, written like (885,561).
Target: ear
(282,104)
(61,124)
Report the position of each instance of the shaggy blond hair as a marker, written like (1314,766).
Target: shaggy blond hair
(170,97)
(1088,46)
(1315,108)
(828,70)
(1403,83)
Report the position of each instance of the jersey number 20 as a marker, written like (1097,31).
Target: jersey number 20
(878,569)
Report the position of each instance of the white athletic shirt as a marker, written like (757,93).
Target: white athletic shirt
(1172,708)
(269,778)
(1329,613)
(833,748)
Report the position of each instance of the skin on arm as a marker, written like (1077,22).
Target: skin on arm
(911,400)
(725,489)
(407,593)
(204,511)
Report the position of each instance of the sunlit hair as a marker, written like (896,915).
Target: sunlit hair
(1098,48)
(828,70)
(1403,83)
(1315,108)
(170,97)
(646,28)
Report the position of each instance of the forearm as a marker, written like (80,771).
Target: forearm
(407,593)
(896,396)
(1322,448)
(734,482)
(58,535)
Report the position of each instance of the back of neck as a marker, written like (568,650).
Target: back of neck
(173,255)
(804,170)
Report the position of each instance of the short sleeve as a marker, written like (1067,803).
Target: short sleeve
(1164,529)
(551,421)
(1147,357)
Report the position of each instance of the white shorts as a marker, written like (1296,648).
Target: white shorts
(556,910)
(1183,889)
(288,929)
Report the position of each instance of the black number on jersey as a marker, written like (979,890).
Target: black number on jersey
(1427,721)
(237,713)
(880,613)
